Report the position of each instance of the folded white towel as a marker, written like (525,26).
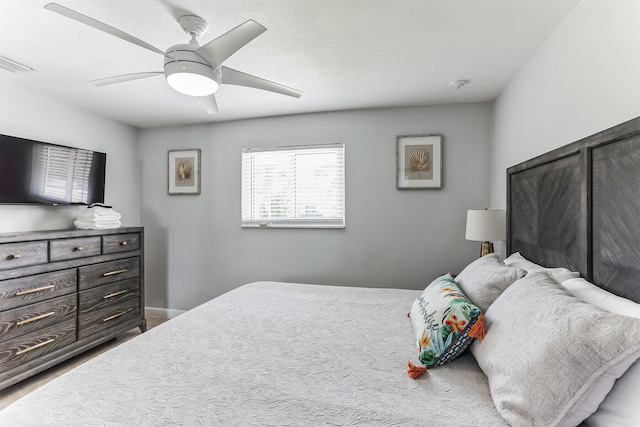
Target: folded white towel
(96,225)
(100,212)
(102,218)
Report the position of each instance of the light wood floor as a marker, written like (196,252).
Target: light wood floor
(15,392)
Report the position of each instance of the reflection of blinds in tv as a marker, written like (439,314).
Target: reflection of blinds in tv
(61,174)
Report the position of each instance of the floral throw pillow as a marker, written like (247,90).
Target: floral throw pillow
(445,322)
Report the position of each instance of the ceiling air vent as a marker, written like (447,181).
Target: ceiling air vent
(13,66)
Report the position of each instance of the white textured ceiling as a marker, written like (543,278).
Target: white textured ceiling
(343,54)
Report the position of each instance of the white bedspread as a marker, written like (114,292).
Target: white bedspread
(274,354)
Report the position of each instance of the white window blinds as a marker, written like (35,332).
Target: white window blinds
(61,174)
(300,186)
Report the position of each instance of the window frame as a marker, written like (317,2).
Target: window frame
(298,222)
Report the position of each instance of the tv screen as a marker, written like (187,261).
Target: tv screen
(34,172)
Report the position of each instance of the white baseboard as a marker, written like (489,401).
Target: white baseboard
(165,313)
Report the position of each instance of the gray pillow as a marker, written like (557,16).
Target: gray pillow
(486,278)
(551,358)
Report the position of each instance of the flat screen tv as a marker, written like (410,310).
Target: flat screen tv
(34,172)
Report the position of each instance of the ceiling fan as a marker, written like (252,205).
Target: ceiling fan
(190,68)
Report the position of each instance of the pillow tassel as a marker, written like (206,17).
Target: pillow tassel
(415,371)
(477,330)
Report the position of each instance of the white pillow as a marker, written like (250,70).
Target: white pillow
(588,292)
(517,260)
(559,273)
(620,407)
(551,358)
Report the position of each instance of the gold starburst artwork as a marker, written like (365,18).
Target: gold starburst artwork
(184,171)
(419,160)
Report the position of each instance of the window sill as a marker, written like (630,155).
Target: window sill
(271,225)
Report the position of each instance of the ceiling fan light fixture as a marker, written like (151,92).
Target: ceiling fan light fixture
(192,78)
(192,84)
(189,68)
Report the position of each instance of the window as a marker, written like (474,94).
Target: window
(300,186)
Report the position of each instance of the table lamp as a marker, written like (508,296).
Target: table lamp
(486,226)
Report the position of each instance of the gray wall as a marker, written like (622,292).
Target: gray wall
(585,78)
(28,115)
(196,249)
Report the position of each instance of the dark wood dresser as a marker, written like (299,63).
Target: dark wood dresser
(63,292)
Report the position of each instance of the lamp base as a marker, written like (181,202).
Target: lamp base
(486,249)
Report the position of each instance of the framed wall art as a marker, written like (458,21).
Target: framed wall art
(184,171)
(419,162)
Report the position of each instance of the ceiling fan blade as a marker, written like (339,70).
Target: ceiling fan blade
(76,16)
(238,78)
(125,78)
(221,48)
(210,103)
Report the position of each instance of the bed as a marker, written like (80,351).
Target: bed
(270,353)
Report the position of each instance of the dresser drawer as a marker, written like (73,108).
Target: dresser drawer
(29,347)
(30,289)
(14,255)
(108,272)
(106,295)
(81,247)
(120,243)
(24,320)
(108,305)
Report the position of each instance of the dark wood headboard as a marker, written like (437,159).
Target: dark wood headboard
(578,207)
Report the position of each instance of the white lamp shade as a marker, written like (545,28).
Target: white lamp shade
(192,78)
(486,225)
(192,84)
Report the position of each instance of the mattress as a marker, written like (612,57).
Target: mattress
(268,353)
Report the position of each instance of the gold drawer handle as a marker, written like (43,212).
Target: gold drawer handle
(115,316)
(78,249)
(111,273)
(33,319)
(115,294)
(34,347)
(14,256)
(30,291)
